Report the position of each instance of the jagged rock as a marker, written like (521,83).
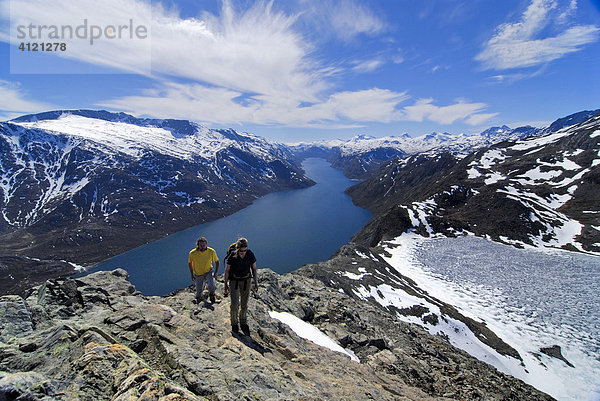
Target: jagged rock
(556,352)
(15,317)
(26,386)
(125,346)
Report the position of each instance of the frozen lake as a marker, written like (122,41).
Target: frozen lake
(530,298)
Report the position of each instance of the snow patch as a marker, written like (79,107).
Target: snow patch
(490,158)
(493,178)
(311,333)
(473,173)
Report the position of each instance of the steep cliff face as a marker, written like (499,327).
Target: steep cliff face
(97,338)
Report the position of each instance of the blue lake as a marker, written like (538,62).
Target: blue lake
(285,230)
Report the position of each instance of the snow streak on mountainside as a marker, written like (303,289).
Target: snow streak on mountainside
(370,275)
(540,191)
(83,185)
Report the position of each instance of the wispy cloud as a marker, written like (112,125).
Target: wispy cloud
(517,76)
(223,106)
(424,109)
(253,50)
(477,119)
(523,44)
(341,20)
(367,65)
(350,18)
(14,101)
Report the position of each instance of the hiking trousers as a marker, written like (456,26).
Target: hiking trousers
(203,279)
(239,291)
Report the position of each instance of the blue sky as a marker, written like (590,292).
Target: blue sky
(300,70)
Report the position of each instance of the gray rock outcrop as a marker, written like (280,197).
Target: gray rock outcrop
(97,338)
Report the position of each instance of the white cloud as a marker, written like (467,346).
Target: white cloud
(568,12)
(241,66)
(476,119)
(398,59)
(252,51)
(367,65)
(13,101)
(223,106)
(255,51)
(367,105)
(521,44)
(186,101)
(517,76)
(350,18)
(423,109)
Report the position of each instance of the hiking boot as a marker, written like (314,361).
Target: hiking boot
(245,329)
(212,298)
(235,328)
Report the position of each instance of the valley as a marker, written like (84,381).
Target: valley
(81,186)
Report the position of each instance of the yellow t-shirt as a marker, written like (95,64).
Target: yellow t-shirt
(202,261)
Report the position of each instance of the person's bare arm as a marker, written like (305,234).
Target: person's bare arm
(255,274)
(216,269)
(226,278)
(191,266)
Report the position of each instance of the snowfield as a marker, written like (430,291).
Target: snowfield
(519,322)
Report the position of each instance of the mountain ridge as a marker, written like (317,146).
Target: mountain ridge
(96,338)
(77,190)
(541,191)
(79,186)
(363,155)
(342,296)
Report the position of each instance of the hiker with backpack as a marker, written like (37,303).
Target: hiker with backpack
(240,275)
(200,263)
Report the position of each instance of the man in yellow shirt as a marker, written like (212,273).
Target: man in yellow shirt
(200,263)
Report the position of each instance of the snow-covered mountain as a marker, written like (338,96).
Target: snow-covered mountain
(540,191)
(83,185)
(363,155)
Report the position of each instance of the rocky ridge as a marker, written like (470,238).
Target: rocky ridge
(541,191)
(97,338)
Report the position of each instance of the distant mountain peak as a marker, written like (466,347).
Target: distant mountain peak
(178,128)
(98,114)
(572,119)
(362,137)
(496,131)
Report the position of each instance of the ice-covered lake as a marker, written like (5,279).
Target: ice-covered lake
(530,298)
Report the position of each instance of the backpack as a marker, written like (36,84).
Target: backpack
(230,251)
